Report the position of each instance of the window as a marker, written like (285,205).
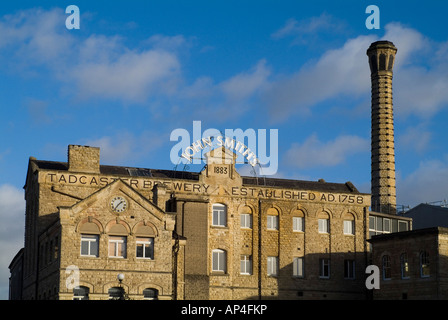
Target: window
(145,248)
(404,265)
(246,264)
(324,268)
(297,267)
(386,225)
(324,225)
(297,224)
(272,266)
(349,226)
(246,220)
(219,215)
(116,293)
(150,294)
(219,260)
(117,247)
(386,268)
(272,222)
(89,245)
(402,226)
(424,264)
(80,293)
(349,269)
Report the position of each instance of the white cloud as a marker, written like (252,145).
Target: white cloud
(98,66)
(339,71)
(415,138)
(126,147)
(428,183)
(305,30)
(12,213)
(245,84)
(314,153)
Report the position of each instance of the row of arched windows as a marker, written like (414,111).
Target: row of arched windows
(115,293)
(117,232)
(219,219)
(405,266)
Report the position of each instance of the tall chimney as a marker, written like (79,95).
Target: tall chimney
(381,59)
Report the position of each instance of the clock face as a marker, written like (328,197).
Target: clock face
(118,204)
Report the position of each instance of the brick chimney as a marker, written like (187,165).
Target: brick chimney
(381,59)
(83,159)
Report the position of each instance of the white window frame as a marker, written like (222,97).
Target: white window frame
(386,267)
(148,245)
(246,220)
(246,264)
(272,222)
(116,241)
(219,212)
(90,239)
(349,269)
(298,224)
(324,268)
(424,264)
(219,261)
(324,225)
(404,266)
(272,266)
(349,227)
(298,267)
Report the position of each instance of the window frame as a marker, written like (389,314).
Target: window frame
(246,264)
(349,230)
(272,266)
(246,221)
(272,222)
(386,267)
(298,267)
(327,225)
(324,268)
(116,240)
(144,241)
(298,226)
(90,239)
(404,266)
(221,263)
(424,264)
(349,269)
(220,214)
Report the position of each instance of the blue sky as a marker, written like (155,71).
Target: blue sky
(137,70)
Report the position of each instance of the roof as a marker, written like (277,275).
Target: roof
(320,185)
(410,233)
(426,215)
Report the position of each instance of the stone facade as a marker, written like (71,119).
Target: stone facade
(266,236)
(414,267)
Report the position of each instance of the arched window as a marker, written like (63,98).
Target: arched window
(219,260)
(81,293)
(219,215)
(424,264)
(404,266)
(324,223)
(272,219)
(150,294)
(116,293)
(246,217)
(298,221)
(349,224)
(386,267)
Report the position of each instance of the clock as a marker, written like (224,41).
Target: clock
(118,204)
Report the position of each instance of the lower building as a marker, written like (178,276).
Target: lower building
(413,264)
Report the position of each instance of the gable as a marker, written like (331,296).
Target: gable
(109,198)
